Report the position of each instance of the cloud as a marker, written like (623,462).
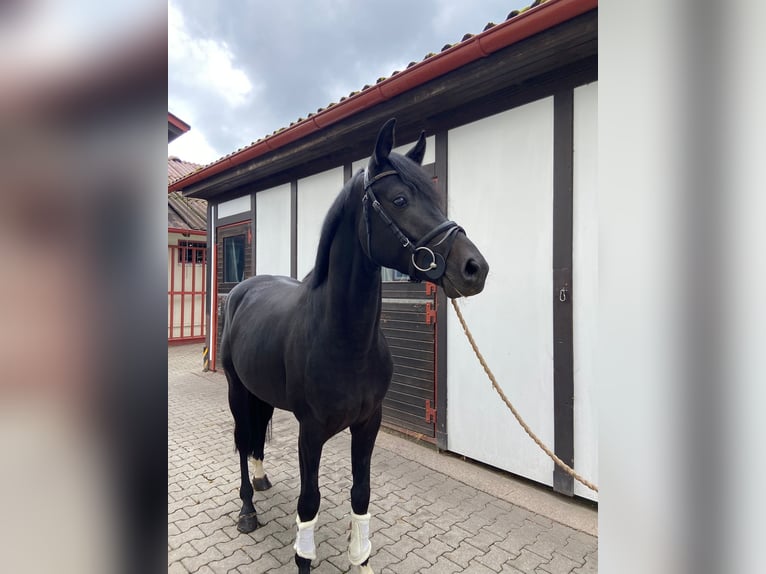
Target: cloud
(204,64)
(246,69)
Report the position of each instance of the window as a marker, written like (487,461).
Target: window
(393,275)
(234,258)
(191,251)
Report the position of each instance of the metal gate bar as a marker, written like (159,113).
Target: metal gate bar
(186,259)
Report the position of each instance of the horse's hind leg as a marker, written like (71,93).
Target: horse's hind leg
(261,415)
(239,403)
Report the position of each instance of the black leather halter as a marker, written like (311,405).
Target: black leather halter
(424,260)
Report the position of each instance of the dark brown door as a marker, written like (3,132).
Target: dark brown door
(408,320)
(234,263)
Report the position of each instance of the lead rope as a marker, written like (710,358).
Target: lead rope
(564,466)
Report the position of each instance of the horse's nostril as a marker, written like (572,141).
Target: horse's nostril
(472,269)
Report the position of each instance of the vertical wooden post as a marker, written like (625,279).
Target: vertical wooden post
(440,348)
(294,229)
(563,370)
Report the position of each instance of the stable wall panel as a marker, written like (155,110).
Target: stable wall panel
(272,231)
(315,196)
(235,207)
(585,284)
(500,178)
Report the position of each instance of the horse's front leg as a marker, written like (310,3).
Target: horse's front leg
(362,443)
(311,439)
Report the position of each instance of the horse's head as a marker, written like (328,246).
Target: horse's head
(404,226)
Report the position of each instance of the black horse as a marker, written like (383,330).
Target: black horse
(314,347)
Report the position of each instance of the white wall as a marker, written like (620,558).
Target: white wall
(315,195)
(272,231)
(585,285)
(235,207)
(500,173)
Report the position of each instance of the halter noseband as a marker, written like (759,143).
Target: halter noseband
(420,252)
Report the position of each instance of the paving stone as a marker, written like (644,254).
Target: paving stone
(463,554)
(192,534)
(403,546)
(590,566)
(543,546)
(560,564)
(575,549)
(194,563)
(495,558)
(483,539)
(412,564)
(527,561)
(423,520)
(186,550)
(442,566)
(239,558)
(217,537)
(478,568)
(265,546)
(431,551)
(454,536)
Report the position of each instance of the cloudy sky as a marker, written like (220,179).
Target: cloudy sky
(238,70)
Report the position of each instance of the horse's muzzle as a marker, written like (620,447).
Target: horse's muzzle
(466,270)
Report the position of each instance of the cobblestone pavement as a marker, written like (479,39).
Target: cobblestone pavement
(424,519)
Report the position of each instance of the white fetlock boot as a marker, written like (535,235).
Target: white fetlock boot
(304,541)
(359,546)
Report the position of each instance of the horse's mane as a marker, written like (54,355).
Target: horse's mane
(332,220)
(409,171)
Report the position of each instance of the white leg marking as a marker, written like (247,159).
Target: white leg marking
(304,540)
(359,546)
(258,468)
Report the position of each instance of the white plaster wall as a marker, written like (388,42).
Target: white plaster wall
(234,207)
(500,177)
(272,231)
(585,283)
(430,156)
(315,195)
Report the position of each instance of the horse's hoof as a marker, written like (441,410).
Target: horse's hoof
(365,569)
(247,522)
(304,565)
(261,484)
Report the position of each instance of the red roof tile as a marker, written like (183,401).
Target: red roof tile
(566,7)
(184,212)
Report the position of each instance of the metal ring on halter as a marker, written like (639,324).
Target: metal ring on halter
(432,265)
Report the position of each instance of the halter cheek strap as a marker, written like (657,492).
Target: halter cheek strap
(423,259)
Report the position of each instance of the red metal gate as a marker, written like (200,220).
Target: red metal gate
(187,269)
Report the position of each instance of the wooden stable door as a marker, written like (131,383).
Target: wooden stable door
(408,320)
(234,263)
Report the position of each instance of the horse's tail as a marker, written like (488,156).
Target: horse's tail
(252,417)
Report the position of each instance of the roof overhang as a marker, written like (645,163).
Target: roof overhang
(176,127)
(515,61)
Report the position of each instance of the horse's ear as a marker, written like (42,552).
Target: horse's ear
(385,142)
(418,151)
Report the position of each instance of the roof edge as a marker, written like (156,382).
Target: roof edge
(178,123)
(528,23)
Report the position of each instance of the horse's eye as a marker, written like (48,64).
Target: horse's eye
(400,201)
